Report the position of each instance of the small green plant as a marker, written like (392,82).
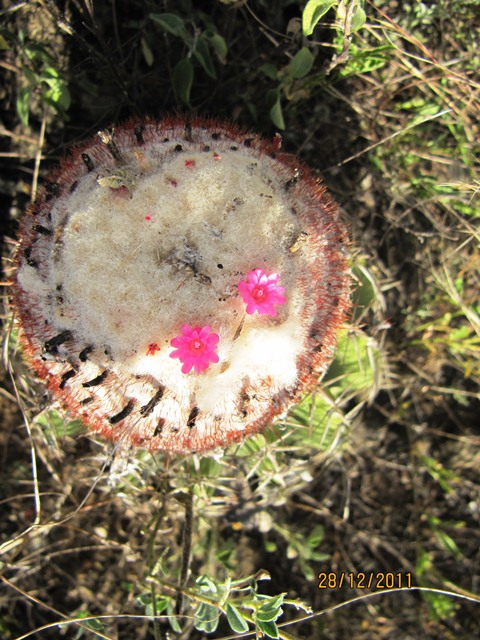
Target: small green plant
(449,331)
(302,548)
(440,607)
(91,625)
(42,78)
(298,79)
(239,601)
(55,425)
(349,15)
(200,42)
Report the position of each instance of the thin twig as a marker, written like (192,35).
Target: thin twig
(9,367)
(38,157)
(187,549)
(412,125)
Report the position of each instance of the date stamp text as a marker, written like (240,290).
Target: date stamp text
(360,580)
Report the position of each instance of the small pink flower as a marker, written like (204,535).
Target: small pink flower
(195,348)
(261,292)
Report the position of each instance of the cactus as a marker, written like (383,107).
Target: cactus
(179,284)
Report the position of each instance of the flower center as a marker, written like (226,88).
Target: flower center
(196,346)
(258,293)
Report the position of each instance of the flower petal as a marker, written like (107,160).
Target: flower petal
(261,291)
(195,348)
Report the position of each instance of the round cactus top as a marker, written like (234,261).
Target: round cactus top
(179,284)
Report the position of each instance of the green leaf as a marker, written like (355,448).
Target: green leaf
(61,427)
(316,536)
(32,77)
(358,19)
(276,114)
(217,42)
(174,624)
(146,600)
(23,103)
(269,615)
(448,543)
(50,72)
(270,547)
(4,46)
(59,96)
(94,624)
(424,563)
(173,620)
(270,70)
(314,10)
(182,78)
(443,476)
(171,23)
(147,52)
(206,618)
(143,599)
(301,63)
(235,619)
(270,629)
(366,60)
(226,551)
(36,51)
(271,609)
(202,53)
(161,605)
(273,603)
(206,584)
(306,570)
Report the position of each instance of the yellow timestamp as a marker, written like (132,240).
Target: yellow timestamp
(360,580)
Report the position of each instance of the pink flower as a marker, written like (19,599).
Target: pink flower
(195,348)
(261,292)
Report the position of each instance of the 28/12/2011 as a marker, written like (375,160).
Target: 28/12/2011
(360,580)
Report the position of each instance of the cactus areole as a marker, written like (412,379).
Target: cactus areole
(179,284)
